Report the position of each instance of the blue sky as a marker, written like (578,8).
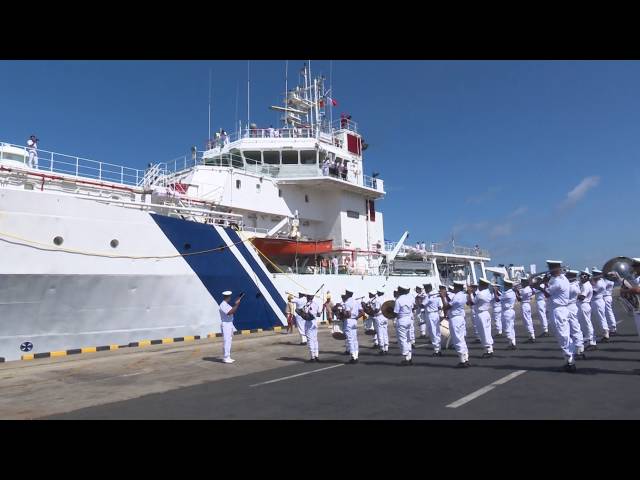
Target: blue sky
(532,160)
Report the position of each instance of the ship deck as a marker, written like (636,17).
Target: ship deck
(270,380)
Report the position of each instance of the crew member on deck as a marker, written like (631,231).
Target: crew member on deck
(507,301)
(457,323)
(597,302)
(584,311)
(557,292)
(226,323)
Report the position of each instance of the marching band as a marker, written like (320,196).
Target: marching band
(565,300)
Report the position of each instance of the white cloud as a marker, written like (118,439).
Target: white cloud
(501,230)
(580,190)
(484,196)
(518,211)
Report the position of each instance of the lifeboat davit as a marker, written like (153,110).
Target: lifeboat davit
(285,247)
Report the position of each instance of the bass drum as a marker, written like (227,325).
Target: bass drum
(445,333)
(336,330)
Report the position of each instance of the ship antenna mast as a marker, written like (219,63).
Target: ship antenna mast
(248,96)
(209,137)
(286,89)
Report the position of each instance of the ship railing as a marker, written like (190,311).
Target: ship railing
(75,166)
(255,230)
(260,133)
(345,124)
(439,248)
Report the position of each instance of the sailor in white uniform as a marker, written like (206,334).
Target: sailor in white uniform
(412,328)
(541,305)
(634,290)
(597,303)
(419,311)
(300,302)
(557,292)
(508,300)
(474,314)
(381,323)
(497,308)
(312,308)
(524,296)
(432,307)
(481,301)
(403,309)
(226,323)
(457,323)
(351,325)
(574,324)
(609,282)
(584,311)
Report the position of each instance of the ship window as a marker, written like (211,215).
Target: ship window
(58,241)
(279,193)
(253,157)
(114,243)
(224,160)
(306,198)
(236,158)
(352,214)
(308,157)
(290,157)
(238,184)
(257,188)
(12,156)
(272,157)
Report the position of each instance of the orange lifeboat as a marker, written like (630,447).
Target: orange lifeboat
(285,247)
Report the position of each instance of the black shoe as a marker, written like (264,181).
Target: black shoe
(613,333)
(570,367)
(311,360)
(436,354)
(499,335)
(381,352)
(352,360)
(530,340)
(467,364)
(302,343)
(581,356)
(487,355)
(590,348)
(544,334)
(477,340)
(404,363)
(605,340)
(512,347)
(422,336)
(346,352)
(463,365)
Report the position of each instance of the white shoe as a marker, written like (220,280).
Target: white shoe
(228,360)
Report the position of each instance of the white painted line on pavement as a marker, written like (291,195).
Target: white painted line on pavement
(298,375)
(483,390)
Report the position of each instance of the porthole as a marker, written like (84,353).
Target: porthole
(114,243)
(58,241)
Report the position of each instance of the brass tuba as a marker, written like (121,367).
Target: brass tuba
(623,268)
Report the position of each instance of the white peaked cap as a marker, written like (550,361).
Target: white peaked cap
(373,292)
(554,262)
(484,280)
(458,283)
(227,293)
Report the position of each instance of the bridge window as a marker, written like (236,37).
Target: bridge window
(308,157)
(279,193)
(238,183)
(253,157)
(271,157)
(289,157)
(352,214)
(306,198)
(236,158)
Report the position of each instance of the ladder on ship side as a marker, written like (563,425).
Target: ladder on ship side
(154,175)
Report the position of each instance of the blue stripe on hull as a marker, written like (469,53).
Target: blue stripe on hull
(264,278)
(219,270)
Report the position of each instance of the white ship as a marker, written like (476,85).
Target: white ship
(96,254)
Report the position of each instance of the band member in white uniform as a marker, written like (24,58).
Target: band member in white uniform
(541,305)
(474,313)
(574,324)
(412,329)
(226,324)
(584,311)
(311,326)
(557,291)
(381,323)
(419,311)
(351,325)
(524,296)
(457,323)
(609,282)
(403,309)
(481,301)
(300,302)
(347,348)
(508,300)
(597,303)
(635,290)
(497,308)
(432,307)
